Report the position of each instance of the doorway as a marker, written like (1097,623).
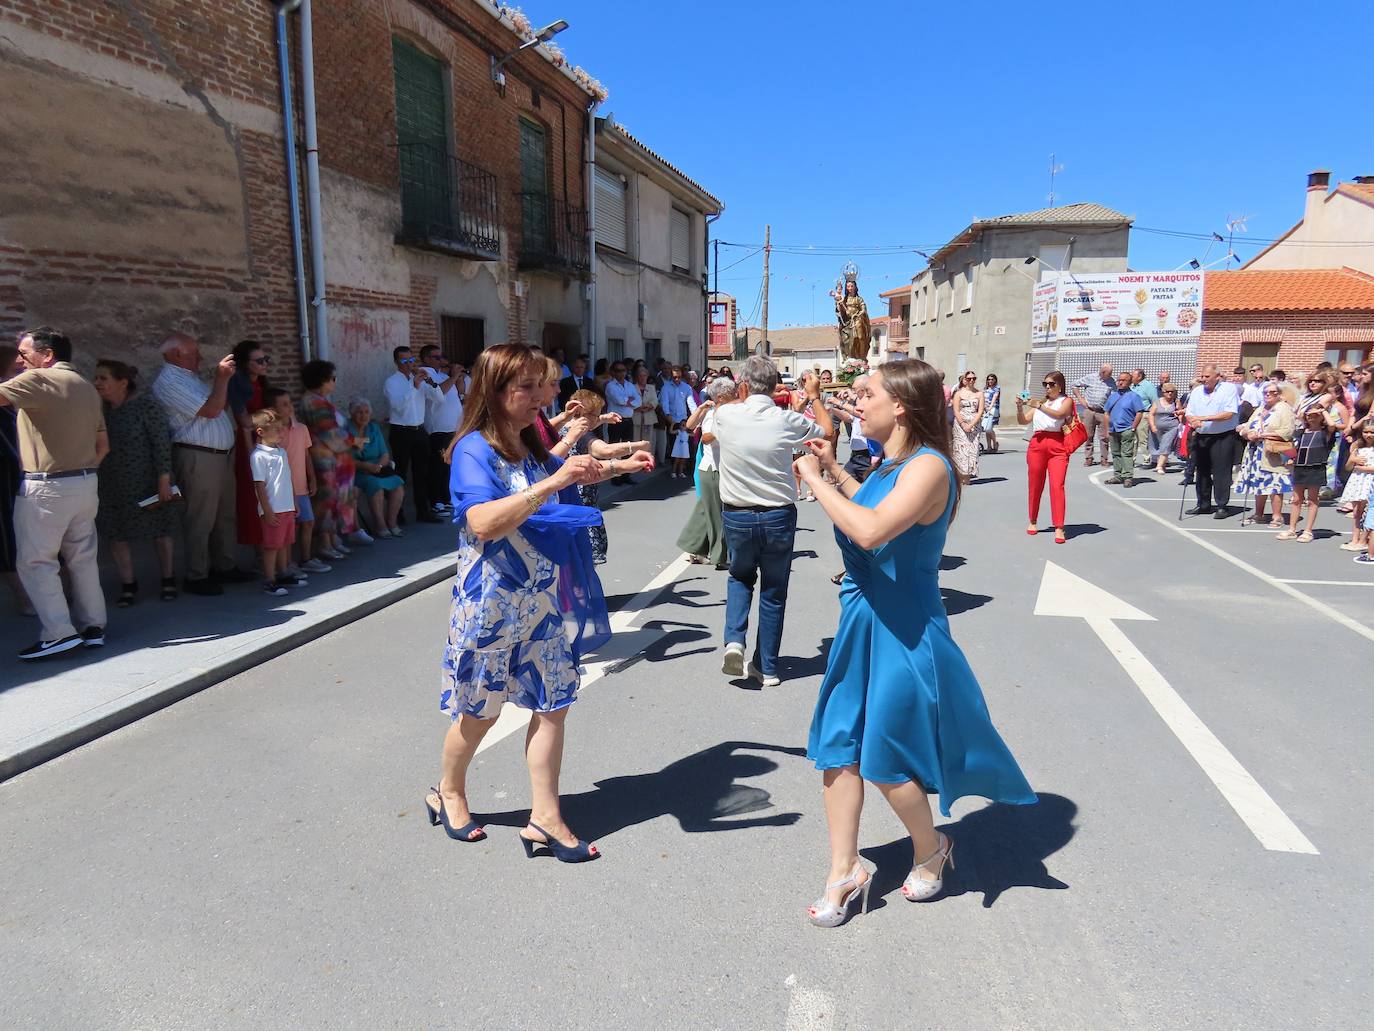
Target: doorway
(462,339)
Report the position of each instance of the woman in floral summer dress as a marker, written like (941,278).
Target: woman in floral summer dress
(527,604)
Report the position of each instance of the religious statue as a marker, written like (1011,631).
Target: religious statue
(852,314)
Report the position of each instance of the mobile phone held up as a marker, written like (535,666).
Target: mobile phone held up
(1025,395)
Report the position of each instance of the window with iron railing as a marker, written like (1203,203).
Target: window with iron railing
(446,203)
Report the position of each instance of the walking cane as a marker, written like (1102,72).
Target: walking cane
(1187,445)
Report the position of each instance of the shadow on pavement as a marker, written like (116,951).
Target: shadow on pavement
(1072,530)
(949,562)
(662,649)
(961,601)
(997,848)
(986,479)
(699,791)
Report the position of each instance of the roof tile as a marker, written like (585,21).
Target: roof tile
(1067,214)
(1343,289)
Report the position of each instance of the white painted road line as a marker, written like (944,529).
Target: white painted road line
(1331,583)
(514,718)
(1317,606)
(1064,594)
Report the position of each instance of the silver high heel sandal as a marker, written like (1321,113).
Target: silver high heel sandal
(918,889)
(824,913)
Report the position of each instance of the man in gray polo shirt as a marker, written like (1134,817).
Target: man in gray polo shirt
(758,494)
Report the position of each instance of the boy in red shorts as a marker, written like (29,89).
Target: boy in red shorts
(276,501)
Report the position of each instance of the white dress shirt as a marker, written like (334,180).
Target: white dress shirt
(405,401)
(1223,398)
(622,398)
(443,410)
(182,394)
(1254,393)
(755,440)
(710,453)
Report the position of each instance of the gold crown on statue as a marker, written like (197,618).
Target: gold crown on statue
(851,272)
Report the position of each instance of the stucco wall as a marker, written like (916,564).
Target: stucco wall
(1002,289)
(674,306)
(1332,220)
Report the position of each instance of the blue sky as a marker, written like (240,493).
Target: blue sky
(889,123)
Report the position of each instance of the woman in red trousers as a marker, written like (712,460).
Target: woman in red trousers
(1046,452)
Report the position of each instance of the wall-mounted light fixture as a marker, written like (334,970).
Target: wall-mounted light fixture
(542,36)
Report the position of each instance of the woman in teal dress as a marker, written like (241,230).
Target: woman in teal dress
(382,492)
(899,705)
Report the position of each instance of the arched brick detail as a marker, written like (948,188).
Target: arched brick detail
(405,19)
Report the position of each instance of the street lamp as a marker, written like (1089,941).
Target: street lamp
(542,36)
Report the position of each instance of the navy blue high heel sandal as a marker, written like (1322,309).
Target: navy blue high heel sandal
(441,817)
(582,852)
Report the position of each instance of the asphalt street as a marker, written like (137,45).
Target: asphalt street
(1195,718)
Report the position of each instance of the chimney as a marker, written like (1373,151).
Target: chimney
(1317,183)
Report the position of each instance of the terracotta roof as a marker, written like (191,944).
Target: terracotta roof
(1360,191)
(896,290)
(1065,215)
(1068,214)
(1343,289)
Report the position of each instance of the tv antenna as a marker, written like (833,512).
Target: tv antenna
(1235,224)
(1054,171)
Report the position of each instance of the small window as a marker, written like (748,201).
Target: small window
(968,287)
(653,350)
(684,353)
(1352,353)
(951,296)
(615,346)
(1265,354)
(611,220)
(681,232)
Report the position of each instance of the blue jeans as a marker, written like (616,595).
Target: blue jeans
(760,545)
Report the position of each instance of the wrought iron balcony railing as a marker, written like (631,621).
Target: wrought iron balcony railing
(447,204)
(554,235)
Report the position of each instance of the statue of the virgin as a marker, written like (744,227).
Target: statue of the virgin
(852,314)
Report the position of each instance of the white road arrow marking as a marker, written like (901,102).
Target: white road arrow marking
(1064,594)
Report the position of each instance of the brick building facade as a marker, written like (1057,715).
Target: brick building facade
(1290,319)
(143,181)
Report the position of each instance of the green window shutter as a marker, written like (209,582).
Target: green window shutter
(534,186)
(422,137)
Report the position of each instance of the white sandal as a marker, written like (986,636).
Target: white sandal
(919,889)
(824,913)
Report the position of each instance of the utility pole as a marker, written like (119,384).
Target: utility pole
(767,234)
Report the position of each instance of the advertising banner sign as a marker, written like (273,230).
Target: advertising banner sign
(1155,306)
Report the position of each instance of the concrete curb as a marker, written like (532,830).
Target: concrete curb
(134,706)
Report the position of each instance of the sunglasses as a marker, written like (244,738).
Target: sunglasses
(261,359)
(1049,383)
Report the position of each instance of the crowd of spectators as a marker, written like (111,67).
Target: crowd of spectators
(230,460)
(1285,443)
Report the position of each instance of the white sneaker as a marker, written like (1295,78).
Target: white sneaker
(360,537)
(766,679)
(382,535)
(732,662)
(316,566)
(341,549)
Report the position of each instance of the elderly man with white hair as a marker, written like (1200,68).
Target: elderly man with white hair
(203,462)
(758,494)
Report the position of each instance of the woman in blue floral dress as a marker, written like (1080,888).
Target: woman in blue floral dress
(527,604)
